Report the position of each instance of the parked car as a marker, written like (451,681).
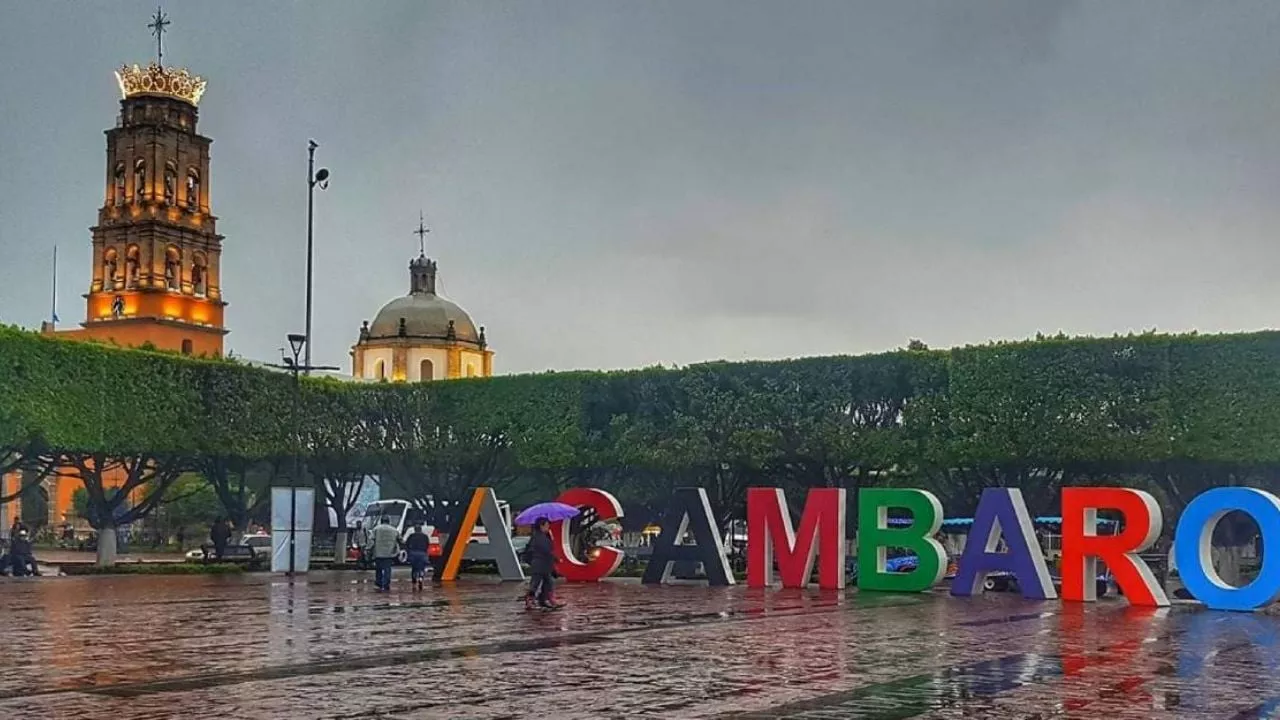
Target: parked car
(260,543)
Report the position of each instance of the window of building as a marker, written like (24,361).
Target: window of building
(139,180)
(117,186)
(379,370)
(131,262)
(186,347)
(428,371)
(199,273)
(193,189)
(172,269)
(109,264)
(170,183)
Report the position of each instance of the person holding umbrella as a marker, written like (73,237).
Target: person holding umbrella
(541,550)
(542,560)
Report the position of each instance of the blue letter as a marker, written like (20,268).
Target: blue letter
(1002,513)
(1193,546)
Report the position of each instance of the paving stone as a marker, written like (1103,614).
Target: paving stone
(329,646)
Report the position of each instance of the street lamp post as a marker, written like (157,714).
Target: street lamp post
(314,177)
(297,344)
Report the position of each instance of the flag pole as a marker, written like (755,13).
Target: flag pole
(53,304)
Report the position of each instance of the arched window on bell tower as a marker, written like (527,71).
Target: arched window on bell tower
(139,180)
(379,370)
(109,260)
(199,274)
(428,370)
(170,183)
(193,189)
(117,185)
(132,259)
(172,268)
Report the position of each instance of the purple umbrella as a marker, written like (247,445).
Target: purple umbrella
(552,511)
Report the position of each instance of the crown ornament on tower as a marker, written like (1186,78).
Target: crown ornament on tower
(154,79)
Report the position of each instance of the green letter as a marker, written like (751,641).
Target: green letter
(875,537)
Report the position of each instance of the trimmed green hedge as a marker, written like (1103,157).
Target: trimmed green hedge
(1052,402)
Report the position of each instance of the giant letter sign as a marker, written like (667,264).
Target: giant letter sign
(689,512)
(498,548)
(875,537)
(1002,514)
(575,570)
(1193,546)
(1082,545)
(770,538)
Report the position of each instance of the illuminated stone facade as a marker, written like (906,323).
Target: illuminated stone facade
(156,277)
(156,251)
(421,337)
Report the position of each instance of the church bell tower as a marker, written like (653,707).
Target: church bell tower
(156,249)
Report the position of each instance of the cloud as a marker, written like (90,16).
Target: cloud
(619,184)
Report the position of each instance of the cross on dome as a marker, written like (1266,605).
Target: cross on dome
(421,232)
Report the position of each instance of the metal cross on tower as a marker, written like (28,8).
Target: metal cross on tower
(421,232)
(159,23)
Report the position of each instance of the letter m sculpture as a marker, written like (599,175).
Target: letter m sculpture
(770,538)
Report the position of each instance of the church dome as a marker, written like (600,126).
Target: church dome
(422,314)
(425,315)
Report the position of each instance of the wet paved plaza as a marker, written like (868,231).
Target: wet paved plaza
(330,647)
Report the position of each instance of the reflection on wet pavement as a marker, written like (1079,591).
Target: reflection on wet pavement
(328,646)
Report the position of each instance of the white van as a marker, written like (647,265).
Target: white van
(402,515)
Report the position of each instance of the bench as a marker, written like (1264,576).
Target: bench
(237,554)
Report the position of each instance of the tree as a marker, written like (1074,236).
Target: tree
(435,451)
(340,491)
(188,510)
(119,491)
(242,487)
(341,431)
(31,460)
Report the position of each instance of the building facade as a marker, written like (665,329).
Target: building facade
(421,337)
(156,276)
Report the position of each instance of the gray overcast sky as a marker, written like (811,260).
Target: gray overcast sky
(618,184)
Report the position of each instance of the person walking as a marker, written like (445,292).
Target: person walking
(386,544)
(219,535)
(542,562)
(417,545)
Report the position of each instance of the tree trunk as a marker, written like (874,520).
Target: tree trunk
(340,547)
(107,547)
(1226,560)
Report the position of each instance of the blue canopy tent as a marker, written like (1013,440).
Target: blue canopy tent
(962,524)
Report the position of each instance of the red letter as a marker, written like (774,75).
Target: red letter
(769,534)
(607,508)
(1082,545)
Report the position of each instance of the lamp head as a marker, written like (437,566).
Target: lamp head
(297,342)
